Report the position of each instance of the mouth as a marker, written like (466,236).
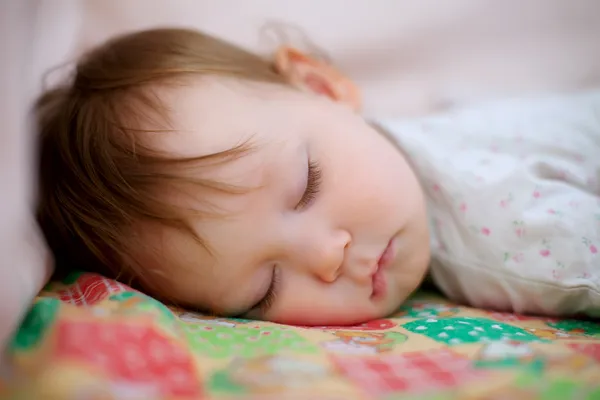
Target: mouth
(378,279)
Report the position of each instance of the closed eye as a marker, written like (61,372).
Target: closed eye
(266,302)
(313,185)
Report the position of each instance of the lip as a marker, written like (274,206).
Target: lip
(387,256)
(378,278)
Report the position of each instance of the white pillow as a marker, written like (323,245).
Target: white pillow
(513,191)
(25,263)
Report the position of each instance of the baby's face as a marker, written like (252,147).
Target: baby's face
(334,231)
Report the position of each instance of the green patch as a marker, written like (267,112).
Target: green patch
(426,309)
(221,382)
(38,320)
(560,390)
(148,305)
(594,394)
(241,320)
(536,365)
(395,338)
(555,388)
(464,330)
(218,341)
(72,277)
(446,395)
(49,287)
(574,327)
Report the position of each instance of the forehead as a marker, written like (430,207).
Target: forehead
(210,115)
(213,115)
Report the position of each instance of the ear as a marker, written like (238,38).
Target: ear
(307,73)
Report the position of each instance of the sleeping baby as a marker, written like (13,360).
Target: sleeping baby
(217,180)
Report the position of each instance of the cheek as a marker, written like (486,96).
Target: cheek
(376,182)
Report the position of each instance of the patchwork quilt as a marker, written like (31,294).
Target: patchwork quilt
(92,338)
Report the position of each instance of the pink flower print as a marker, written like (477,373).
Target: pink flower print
(536,194)
(519,228)
(555,274)
(436,188)
(504,203)
(518,258)
(588,243)
(544,252)
(442,247)
(463,207)
(585,275)
(486,231)
(552,211)
(520,232)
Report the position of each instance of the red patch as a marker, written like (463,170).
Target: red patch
(90,289)
(409,372)
(129,352)
(590,350)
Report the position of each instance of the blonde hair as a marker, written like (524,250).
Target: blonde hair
(97,178)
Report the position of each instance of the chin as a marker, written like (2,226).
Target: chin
(393,303)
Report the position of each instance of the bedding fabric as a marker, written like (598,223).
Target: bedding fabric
(89,334)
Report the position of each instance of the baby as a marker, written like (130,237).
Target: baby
(223,182)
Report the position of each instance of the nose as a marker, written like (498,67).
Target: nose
(324,256)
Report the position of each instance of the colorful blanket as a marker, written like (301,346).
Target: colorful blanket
(93,338)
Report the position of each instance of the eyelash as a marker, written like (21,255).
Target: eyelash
(269,298)
(313,185)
